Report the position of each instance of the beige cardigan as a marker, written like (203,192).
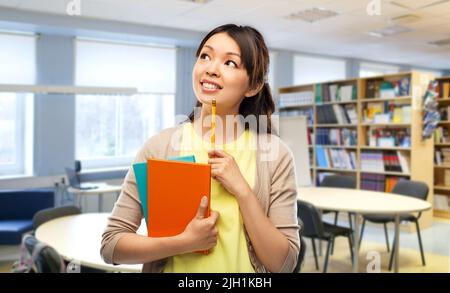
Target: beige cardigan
(275,189)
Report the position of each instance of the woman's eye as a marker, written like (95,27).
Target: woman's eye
(204,56)
(231,63)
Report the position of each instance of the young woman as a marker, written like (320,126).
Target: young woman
(253,224)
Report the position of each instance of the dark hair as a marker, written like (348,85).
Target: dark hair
(255,56)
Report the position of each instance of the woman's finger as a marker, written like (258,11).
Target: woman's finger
(216,160)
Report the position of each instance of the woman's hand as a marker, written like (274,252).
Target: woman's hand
(201,233)
(225,170)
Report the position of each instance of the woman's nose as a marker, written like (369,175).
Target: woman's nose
(212,69)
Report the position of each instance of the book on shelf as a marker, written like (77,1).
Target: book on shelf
(385,161)
(296,99)
(447,177)
(444,92)
(441,135)
(336,136)
(387,112)
(380,88)
(335,158)
(307,112)
(378,182)
(389,137)
(335,93)
(336,114)
(443,113)
(441,202)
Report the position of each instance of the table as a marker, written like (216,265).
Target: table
(78,238)
(363,202)
(100,190)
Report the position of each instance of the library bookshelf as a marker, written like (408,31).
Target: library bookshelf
(380,139)
(441,147)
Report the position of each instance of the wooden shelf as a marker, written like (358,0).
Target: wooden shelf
(420,153)
(442,166)
(443,101)
(337,146)
(337,103)
(447,144)
(386,148)
(444,122)
(334,170)
(386,173)
(441,214)
(403,98)
(290,107)
(386,124)
(336,125)
(442,187)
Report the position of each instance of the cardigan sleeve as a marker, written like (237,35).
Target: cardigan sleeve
(283,204)
(127,213)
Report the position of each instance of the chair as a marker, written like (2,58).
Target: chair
(339,181)
(315,228)
(411,188)
(38,257)
(302,252)
(52,213)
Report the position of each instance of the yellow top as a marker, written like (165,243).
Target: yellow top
(230,255)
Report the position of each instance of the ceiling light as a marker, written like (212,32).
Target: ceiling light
(441,43)
(312,15)
(389,31)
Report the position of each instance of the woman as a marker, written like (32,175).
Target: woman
(253,224)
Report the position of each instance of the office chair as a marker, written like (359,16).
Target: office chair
(339,181)
(302,251)
(315,228)
(405,187)
(52,213)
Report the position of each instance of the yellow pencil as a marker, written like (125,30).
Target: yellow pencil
(213,124)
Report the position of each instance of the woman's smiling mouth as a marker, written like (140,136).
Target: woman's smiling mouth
(210,86)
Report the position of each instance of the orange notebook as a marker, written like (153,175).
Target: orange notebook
(175,190)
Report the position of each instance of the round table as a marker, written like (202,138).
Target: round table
(78,239)
(360,202)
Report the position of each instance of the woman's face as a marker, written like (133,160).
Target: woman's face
(219,73)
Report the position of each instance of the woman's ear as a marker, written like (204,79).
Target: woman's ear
(252,92)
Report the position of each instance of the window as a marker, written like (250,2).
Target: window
(435,73)
(17,59)
(374,69)
(271,74)
(111,129)
(313,69)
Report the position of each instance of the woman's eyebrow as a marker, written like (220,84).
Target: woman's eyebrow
(228,53)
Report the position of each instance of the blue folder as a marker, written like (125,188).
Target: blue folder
(140,171)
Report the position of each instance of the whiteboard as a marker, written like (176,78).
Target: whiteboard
(293,131)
